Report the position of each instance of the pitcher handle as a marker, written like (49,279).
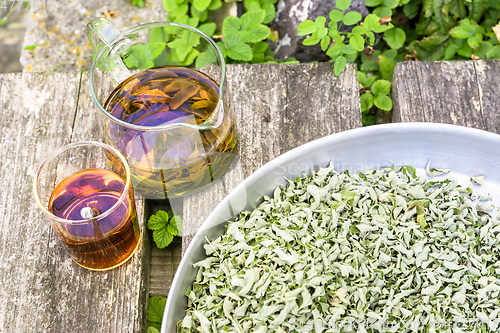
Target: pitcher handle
(102,33)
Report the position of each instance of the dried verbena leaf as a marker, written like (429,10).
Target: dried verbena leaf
(183,95)
(381,247)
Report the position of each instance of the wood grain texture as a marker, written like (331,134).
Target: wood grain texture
(454,92)
(41,288)
(277,107)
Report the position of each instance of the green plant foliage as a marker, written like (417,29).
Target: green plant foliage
(156,307)
(137,3)
(241,39)
(141,56)
(164,227)
(417,30)
(340,46)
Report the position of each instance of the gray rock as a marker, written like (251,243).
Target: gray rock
(59,28)
(290,14)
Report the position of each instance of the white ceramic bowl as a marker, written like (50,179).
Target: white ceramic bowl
(465,151)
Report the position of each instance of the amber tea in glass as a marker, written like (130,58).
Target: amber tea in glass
(171,118)
(85,191)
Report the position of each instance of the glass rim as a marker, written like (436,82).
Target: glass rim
(220,57)
(126,189)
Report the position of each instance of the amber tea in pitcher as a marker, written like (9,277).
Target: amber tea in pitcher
(169,113)
(182,159)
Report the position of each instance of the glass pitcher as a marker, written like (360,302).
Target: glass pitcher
(161,90)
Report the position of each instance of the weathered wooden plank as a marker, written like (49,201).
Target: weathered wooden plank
(277,107)
(42,289)
(454,92)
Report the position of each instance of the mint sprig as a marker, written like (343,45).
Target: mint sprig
(164,227)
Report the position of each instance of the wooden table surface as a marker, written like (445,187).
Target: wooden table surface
(278,107)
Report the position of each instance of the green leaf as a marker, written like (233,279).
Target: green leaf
(382,11)
(251,5)
(359,30)
(322,32)
(215,4)
(252,18)
(201,5)
(141,56)
(152,329)
(390,3)
(170,5)
(483,49)
(371,38)
(311,41)
(257,33)
(222,48)
(158,35)
(465,50)
(325,42)
(366,101)
(231,25)
(260,47)
(138,3)
(366,81)
(270,13)
(156,308)
(451,51)
(383,102)
(320,22)
(159,220)
(240,51)
(202,16)
(162,238)
(411,9)
(465,29)
(352,18)
(381,87)
(334,50)
(306,27)
(176,221)
(30,47)
(208,28)
(205,58)
(172,229)
(339,65)
(386,67)
(236,38)
(370,64)
(395,38)
(259,50)
(336,15)
(382,28)
(371,21)
(373,3)
(180,49)
(342,4)
(193,21)
(493,53)
(475,40)
(357,42)
(348,49)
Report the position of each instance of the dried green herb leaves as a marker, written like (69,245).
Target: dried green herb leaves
(382,251)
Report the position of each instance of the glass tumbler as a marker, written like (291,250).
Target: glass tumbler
(162,95)
(85,191)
